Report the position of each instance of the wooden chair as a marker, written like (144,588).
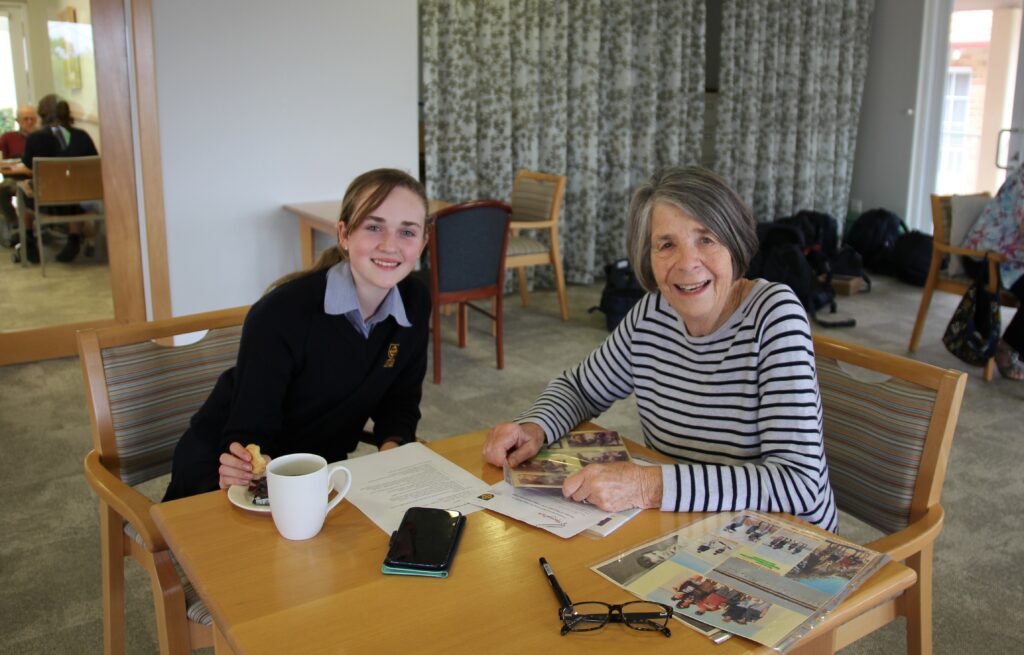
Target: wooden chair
(61,182)
(938,280)
(141,396)
(467,262)
(888,426)
(537,205)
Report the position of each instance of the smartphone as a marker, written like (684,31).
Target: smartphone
(426,539)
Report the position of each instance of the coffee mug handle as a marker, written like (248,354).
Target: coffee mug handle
(331,470)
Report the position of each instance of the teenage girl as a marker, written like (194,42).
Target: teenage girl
(325,349)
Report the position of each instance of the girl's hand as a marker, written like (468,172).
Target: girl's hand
(235,466)
(516,442)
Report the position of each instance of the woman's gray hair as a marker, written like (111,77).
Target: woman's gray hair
(704,196)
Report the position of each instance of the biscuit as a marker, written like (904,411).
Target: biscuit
(259,464)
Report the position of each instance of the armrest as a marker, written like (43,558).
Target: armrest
(957,250)
(911,539)
(127,502)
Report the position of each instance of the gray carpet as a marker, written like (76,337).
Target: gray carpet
(49,557)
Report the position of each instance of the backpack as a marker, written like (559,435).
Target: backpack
(849,263)
(874,236)
(621,291)
(912,257)
(783,258)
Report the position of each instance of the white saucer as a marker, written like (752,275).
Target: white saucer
(240,496)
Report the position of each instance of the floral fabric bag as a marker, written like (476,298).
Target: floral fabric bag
(973,332)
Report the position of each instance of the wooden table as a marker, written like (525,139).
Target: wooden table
(323,217)
(327,594)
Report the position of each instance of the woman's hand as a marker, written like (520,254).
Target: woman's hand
(615,487)
(236,466)
(388,445)
(516,442)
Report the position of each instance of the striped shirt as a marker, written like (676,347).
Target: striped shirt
(739,409)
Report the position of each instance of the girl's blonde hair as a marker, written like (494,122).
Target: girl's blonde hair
(365,194)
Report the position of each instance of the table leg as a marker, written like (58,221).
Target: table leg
(220,643)
(307,243)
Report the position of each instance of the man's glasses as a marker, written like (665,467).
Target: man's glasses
(641,615)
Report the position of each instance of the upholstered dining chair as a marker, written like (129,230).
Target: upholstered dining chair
(467,262)
(954,214)
(61,182)
(142,391)
(537,205)
(888,426)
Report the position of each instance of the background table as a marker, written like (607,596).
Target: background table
(327,594)
(323,217)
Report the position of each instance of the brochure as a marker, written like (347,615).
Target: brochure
(747,573)
(549,468)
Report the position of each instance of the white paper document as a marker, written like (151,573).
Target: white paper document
(387,483)
(544,509)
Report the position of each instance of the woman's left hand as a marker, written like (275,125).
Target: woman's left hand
(615,487)
(388,445)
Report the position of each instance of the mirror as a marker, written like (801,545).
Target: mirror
(46,46)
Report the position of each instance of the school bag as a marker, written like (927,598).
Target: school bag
(874,236)
(782,257)
(621,291)
(912,257)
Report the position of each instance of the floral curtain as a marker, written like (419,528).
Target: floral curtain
(792,76)
(604,92)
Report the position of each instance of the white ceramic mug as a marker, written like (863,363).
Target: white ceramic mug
(298,486)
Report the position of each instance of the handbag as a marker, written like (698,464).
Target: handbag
(973,333)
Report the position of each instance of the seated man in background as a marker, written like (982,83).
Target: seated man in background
(12,145)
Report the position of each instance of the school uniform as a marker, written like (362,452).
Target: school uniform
(310,374)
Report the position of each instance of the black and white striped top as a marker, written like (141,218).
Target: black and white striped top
(739,408)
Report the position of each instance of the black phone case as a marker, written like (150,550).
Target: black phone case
(444,565)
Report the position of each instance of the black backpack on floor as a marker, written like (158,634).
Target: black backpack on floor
(782,257)
(874,236)
(621,291)
(912,257)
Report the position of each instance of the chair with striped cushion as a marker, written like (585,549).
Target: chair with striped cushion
(888,426)
(142,391)
(537,205)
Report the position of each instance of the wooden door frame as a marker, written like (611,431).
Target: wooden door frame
(110,23)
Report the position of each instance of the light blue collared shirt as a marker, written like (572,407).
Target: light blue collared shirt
(341,298)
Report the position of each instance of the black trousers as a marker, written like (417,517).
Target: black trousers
(1014,333)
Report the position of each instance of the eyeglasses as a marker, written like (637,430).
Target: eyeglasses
(641,615)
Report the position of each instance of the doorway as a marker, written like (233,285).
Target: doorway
(978,110)
(111,26)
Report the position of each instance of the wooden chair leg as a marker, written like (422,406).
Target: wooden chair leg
(916,604)
(926,300)
(436,319)
(556,263)
(499,336)
(990,369)
(463,324)
(523,294)
(169,598)
(112,552)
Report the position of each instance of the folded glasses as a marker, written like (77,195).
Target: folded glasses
(642,615)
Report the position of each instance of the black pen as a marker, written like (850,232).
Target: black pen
(562,598)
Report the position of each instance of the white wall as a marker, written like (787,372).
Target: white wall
(263,103)
(882,164)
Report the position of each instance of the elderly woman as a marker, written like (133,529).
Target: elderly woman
(722,368)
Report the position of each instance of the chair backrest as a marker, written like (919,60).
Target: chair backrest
(467,245)
(142,392)
(942,218)
(888,427)
(537,197)
(66,180)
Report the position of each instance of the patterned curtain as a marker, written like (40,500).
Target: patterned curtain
(603,92)
(792,76)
